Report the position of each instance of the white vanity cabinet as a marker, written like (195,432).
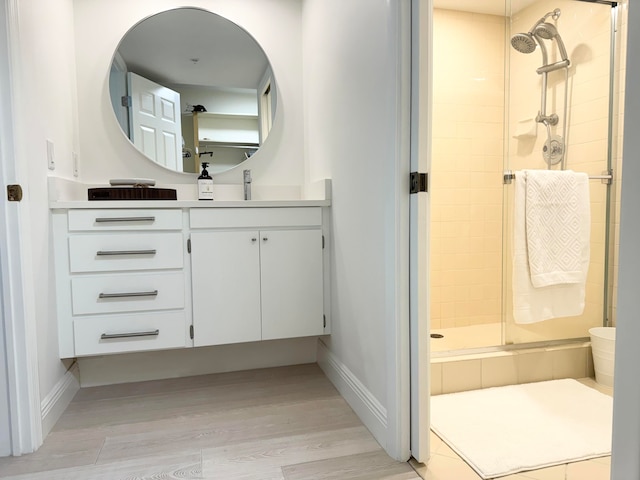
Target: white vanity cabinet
(259,283)
(120,280)
(137,279)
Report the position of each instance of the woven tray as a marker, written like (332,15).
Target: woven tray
(131,193)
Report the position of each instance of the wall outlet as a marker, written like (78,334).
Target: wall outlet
(75,164)
(51,161)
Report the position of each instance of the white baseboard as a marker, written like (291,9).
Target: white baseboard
(58,399)
(360,399)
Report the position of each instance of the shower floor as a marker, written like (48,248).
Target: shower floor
(472,336)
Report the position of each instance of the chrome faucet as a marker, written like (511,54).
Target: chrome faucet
(247,184)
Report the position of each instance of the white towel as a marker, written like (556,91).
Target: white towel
(531,304)
(557,225)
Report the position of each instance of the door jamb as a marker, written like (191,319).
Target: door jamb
(18,318)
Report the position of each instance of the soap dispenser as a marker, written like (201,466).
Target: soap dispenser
(205,184)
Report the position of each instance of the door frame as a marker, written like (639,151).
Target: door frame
(421,93)
(398,395)
(16,318)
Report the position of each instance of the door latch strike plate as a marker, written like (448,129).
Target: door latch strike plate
(14,193)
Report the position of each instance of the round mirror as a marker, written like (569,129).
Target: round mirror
(188,86)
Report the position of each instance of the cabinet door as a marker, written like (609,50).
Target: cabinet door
(291,276)
(226,287)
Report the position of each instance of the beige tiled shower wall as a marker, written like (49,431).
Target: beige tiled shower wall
(586,30)
(466,169)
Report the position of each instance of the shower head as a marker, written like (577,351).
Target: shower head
(523,42)
(526,42)
(542,30)
(548,32)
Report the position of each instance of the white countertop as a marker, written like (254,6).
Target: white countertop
(96,204)
(66,194)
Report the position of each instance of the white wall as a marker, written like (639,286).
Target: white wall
(625,461)
(104,151)
(44,108)
(351,64)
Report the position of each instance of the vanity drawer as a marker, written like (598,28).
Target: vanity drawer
(127,333)
(125,251)
(127,293)
(255,217)
(124,219)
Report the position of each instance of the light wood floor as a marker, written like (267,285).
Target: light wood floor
(284,423)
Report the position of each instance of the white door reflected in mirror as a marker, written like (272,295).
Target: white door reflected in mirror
(154,116)
(224,96)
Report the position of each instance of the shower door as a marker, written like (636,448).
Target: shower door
(584,131)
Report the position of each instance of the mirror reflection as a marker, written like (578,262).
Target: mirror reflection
(188,86)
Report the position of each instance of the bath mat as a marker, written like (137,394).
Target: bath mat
(503,430)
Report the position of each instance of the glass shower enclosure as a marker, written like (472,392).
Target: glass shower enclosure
(536,87)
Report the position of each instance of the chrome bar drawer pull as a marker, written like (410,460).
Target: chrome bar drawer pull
(152,333)
(125,219)
(153,293)
(104,253)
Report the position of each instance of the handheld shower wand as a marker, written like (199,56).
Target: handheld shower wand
(548,31)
